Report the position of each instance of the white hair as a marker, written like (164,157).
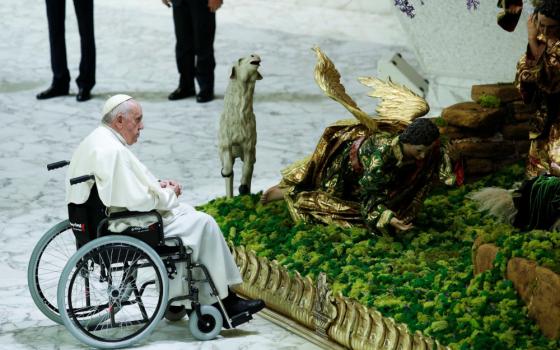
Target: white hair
(123,108)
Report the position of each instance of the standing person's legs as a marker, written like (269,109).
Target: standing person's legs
(204,27)
(184,48)
(84,14)
(56,12)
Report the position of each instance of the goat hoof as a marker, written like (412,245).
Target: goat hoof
(244,189)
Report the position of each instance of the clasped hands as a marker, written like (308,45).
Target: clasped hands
(173,185)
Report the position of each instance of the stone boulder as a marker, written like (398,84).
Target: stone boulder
(505,92)
(520,111)
(485,148)
(454,132)
(473,116)
(516,131)
(475,166)
(480,166)
(538,287)
(484,257)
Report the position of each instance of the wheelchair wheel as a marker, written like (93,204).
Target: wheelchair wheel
(49,256)
(208,326)
(114,291)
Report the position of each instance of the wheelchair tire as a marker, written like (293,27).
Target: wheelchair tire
(47,261)
(120,277)
(209,326)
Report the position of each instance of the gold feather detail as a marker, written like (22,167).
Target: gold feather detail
(328,79)
(397,101)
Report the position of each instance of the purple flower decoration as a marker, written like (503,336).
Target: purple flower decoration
(405,7)
(408,9)
(473,4)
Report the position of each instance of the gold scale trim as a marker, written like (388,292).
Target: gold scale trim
(331,322)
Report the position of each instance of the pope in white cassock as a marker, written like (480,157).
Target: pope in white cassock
(123,182)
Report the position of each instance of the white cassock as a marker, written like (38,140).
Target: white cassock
(124,182)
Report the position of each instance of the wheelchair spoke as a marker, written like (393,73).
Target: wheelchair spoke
(49,265)
(117,310)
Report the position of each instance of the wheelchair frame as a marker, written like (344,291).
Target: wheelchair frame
(205,321)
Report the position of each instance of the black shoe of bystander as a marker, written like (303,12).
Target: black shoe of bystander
(83,95)
(205,96)
(181,93)
(52,91)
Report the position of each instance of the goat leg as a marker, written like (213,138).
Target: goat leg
(227,171)
(247,175)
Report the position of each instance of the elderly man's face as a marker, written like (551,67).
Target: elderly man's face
(129,125)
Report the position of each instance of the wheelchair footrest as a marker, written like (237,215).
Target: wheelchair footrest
(241,318)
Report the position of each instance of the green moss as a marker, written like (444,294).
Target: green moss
(439,121)
(424,278)
(489,101)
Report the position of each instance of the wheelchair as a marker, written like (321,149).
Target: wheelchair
(110,289)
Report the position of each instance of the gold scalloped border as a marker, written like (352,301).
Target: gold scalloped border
(325,318)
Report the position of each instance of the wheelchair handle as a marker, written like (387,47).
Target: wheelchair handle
(57,165)
(79,179)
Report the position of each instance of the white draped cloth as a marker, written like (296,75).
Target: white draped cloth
(123,182)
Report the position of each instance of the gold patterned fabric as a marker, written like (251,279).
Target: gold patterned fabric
(327,188)
(538,80)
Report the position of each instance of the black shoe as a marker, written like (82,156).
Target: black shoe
(204,97)
(175,313)
(83,95)
(235,306)
(238,305)
(181,93)
(51,92)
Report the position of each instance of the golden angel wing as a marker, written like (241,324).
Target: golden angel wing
(397,101)
(328,79)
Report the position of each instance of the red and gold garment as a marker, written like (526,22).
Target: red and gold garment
(538,80)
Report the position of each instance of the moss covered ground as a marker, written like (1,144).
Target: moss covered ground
(424,278)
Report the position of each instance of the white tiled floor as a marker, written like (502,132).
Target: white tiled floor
(135,45)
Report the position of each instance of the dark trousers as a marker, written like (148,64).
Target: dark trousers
(56,13)
(195,27)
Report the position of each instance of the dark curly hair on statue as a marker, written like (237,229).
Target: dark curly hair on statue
(549,8)
(421,132)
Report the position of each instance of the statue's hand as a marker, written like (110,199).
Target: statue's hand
(400,225)
(532,28)
(554,169)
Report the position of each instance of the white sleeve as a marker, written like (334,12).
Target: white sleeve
(122,181)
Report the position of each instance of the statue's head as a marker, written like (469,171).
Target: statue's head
(419,138)
(246,68)
(548,18)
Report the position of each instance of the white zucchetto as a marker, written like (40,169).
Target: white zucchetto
(113,102)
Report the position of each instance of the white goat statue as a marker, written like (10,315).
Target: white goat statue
(238,130)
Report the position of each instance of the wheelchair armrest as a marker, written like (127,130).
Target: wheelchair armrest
(127,214)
